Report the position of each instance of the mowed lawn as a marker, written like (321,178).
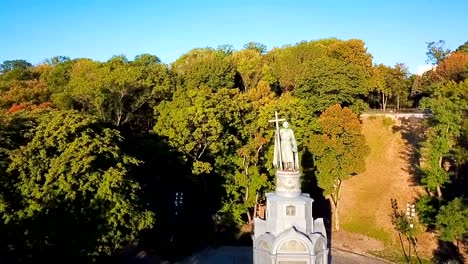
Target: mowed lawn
(365,202)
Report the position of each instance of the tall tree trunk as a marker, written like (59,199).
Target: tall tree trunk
(382,96)
(255,206)
(337,218)
(439,192)
(336,204)
(384,102)
(398,103)
(246,196)
(334,212)
(249,218)
(403,246)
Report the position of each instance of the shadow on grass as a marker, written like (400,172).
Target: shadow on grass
(411,130)
(447,252)
(321,205)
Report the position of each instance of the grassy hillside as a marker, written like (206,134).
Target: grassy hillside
(366,208)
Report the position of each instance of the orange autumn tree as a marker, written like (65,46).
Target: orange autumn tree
(453,68)
(24,88)
(339,152)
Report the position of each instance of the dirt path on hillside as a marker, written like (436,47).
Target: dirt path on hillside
(366,198)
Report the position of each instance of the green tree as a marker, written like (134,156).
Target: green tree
(14,132)
(292,65)
(209,67)
(247,176)
(461,154)
(56,60)
(11,65)
(339,152)
(227,49)
(252,172)
(400,83)
(390,82)
(131,89)
(351,51)
(452,221)
(203,125)
(257,47)
(75,85)
(57,80)
(71,191)
(426,207)
(328,81)
(463,48)
(286,64)
(247,167)
(436,51)
(249,64)
(146,59)
(119,91)
(378,85)
(15,70)
(448,105)
(193,123)
(323,72)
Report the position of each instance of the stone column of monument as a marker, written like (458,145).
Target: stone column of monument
(288,234)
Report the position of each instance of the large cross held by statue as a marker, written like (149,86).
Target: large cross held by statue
(276,120)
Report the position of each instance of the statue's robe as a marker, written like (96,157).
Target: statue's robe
(286,146)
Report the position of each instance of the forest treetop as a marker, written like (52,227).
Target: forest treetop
(118,138)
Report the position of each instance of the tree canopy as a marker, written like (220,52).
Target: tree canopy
(72,172)
(101,156)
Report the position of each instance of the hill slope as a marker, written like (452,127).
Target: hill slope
(365,203)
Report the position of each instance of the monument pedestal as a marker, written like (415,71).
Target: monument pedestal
(289,234)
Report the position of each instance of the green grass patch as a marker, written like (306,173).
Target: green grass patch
(398,257)
(366,226)
(379,139)
(388,122)
(361,217)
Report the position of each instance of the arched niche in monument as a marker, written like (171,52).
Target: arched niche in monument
(292,241)
(265,242)
(293,245)
(263,246)
(320,251)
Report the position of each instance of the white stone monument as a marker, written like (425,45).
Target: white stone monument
(288,234)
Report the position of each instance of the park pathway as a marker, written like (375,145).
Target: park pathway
(243,255)
(402,114)
(345,257)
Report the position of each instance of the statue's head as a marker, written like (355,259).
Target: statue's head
(285,124)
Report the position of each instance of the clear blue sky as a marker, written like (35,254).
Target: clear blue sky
(394,31)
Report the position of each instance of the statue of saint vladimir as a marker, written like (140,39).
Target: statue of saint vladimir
(286,155)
